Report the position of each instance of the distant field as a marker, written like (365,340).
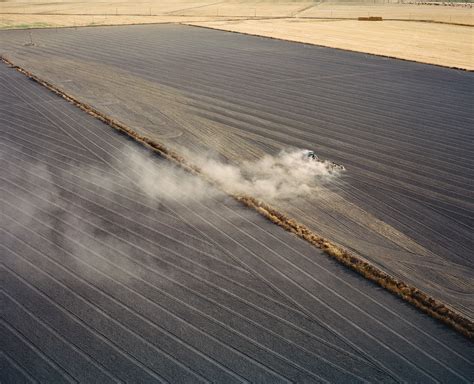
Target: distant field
(251,8)
(41,14)
(446,14)
(447,45)
(20,21)
(435,43)
(96,7)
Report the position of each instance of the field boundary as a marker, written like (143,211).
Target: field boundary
(419,299)
(386,19)
(327,46)
(231,17)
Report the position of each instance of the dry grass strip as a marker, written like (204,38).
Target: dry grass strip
(410,294)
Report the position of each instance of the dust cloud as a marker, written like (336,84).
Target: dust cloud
(160,180)
(76,207)
(288,175)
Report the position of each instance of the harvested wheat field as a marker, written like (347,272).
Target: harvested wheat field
(447,45)
(40,14)
(461,14)
(21,21)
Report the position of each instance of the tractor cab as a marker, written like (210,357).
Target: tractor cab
(331,166)
(312,155)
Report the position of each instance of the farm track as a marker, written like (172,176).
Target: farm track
(101,282)
(401,129)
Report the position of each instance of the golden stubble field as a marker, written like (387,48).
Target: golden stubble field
(441,35)
(433,43)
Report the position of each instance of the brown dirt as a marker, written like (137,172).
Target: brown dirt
(410,294)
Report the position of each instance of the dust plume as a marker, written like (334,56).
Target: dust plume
(160,180)
(289,174)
